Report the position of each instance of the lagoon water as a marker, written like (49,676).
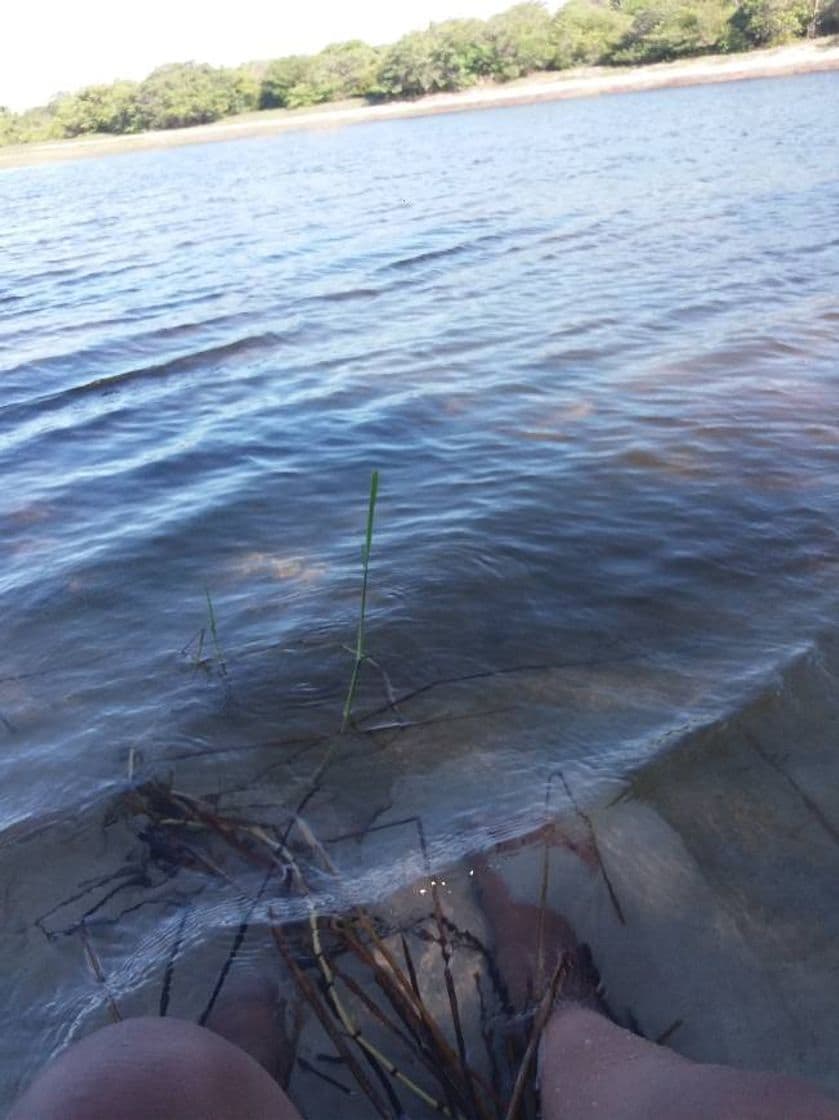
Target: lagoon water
(593,349)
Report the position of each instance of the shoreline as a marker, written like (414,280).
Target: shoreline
(803,57)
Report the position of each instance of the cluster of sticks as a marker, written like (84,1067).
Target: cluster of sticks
(360,979)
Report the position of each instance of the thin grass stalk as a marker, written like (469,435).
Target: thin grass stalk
(451,992)
(477,1110)
(238,941)
(409,964)
(443,1071)
(385,1082)
(540,1019)
(407,1006)
(399,988)
(374,1009)
(362,919)
(169,974)
(222,664)
(543,903)
(486,1036)
(495,977)
(664,1038)
(244,926)
(586,819)
(444,1063)
(414,1014)
(355,1032)
(315,1072)
(360,654)
(311,996)
(95,966)
(440,1041)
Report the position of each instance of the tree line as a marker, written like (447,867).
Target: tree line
(447,56)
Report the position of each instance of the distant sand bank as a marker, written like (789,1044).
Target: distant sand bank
(797,58)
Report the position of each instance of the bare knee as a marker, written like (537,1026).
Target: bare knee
(145,1069)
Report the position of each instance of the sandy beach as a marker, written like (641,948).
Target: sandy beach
(797,58)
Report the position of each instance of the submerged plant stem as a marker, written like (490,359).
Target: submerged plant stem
(359,652)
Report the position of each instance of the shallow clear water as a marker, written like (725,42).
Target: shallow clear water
(593,349)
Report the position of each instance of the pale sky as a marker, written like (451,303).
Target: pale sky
(56,45)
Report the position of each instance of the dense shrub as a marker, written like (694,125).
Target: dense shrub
(338,72)
(667,29)
(586,33)
(762,23)
(521,41)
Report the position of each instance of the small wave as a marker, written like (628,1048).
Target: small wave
(187,363)
(350,294)
(431,255)
(424,258)
(75,276)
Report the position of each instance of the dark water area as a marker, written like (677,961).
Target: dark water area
(593,349)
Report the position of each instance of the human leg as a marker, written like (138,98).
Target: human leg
(154,1069)
(591,1069)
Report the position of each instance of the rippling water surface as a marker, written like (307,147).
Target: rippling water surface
(593,349)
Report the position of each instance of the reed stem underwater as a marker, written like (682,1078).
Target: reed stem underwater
(359,653)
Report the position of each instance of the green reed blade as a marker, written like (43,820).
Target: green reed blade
(221,664)
(360,654)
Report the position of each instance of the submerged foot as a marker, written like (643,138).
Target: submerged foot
(530,942)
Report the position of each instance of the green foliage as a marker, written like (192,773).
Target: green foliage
(453,55)
(521,41)
(244,84)
(32,127)
(8,126)
(340,71)
(187,93)
(419,63)
(586,33)
(465,49)
(667,29)
(445,57)
(101,108)
(280,77)
(763,23)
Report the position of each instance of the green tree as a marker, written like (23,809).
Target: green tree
(280,77)
(762,23)
(521,40)
(464,50)
(586,32)
(409,68)
(101,108)
(243,85)
(185,93)
(34,126)
(9,133)
(340,71)
(667,29)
